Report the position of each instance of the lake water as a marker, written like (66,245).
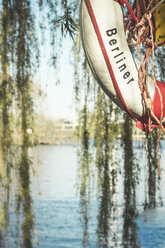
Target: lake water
(66,219)
(59,221)
(54,191)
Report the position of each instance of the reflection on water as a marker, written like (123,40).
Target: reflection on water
(104,216)
(152,228)
(129,211)
(106,171)
(23,199)
(6,163)
(105,205)
(84,176)
(16,219)
(152,179)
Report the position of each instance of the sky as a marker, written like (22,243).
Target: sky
(59,100)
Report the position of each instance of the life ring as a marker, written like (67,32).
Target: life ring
(111,61)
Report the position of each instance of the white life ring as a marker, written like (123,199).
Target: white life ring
(111,61)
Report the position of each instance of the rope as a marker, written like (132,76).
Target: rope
(145,28)
(139,10)
(143,84)
(157,6)
(130,10)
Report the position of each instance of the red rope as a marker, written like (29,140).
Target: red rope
(134,16)
(130,10)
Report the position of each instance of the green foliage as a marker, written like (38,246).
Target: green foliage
(60,19)
(100,122)
(130,181)
(152,179)
(66,22)
(103,123)
(17,49)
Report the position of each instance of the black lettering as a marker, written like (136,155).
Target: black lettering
(120,60)
(116,48)
(111,32)
(118,55)
(122,67)
(112,42)
(132,79)
(126,75)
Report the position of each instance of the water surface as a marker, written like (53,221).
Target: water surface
(59,219)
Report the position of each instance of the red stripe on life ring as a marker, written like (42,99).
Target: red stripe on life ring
(95,25)
(142,122)
(156,100)
(120,2)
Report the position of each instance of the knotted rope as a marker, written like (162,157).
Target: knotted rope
(143,32)
(143,78)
